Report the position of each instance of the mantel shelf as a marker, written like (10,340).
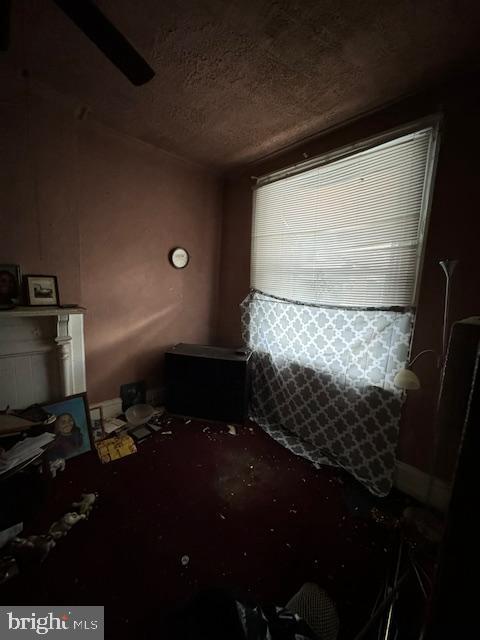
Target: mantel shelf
(19,312)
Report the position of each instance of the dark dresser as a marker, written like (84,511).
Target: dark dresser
(207,382)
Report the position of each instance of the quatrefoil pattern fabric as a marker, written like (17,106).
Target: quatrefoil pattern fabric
(322,382)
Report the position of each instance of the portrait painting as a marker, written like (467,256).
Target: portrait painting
(72,427)
(10,287)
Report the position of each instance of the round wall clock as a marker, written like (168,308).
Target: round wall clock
(179,257)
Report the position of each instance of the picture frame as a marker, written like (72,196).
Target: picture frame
(10,285)
(72,427)
(41,290)
(97,424)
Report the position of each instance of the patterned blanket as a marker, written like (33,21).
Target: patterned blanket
(322,382)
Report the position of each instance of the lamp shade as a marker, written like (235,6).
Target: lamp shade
(406,379)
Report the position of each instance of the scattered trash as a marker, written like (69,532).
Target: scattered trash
(61,527)
(33,549)
(187,421)
(85,504)
(112,424)
(272,530)
(206,429)
(250,429)
(114,448)
(293,511)
(166,433)
(56,465)
(231,430)
(222,516)
(185,560)
(288,545)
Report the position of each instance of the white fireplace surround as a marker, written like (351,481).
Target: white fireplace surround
(42,355)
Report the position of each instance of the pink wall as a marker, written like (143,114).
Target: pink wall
(452,234)
(101,211)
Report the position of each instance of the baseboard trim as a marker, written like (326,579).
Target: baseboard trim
(415,483)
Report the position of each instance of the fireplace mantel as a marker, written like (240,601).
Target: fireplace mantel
(24,312)
(42,354)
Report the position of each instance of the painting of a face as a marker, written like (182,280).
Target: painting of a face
(72,427)
(64,424)
(8,286)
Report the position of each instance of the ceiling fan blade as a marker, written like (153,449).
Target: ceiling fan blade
(88,17)
(5,7)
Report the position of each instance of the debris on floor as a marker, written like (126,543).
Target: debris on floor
(425,522)
(85,504)
(185,560)
(114,448)
(231,430)
(113,424)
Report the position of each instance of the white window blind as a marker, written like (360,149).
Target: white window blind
(346,233)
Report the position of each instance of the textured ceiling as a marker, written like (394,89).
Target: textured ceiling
(238,79)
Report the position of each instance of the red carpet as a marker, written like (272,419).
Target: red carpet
(249,514)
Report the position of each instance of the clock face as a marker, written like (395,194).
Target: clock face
(179,257)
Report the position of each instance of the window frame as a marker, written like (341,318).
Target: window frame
(434,122)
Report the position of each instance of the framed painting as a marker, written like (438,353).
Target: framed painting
(10,285)
(72,426)
(42,291)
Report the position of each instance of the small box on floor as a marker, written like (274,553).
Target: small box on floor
(140,433)
(115,448)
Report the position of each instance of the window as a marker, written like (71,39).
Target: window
(346,230)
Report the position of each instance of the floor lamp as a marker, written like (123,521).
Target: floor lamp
(426,523)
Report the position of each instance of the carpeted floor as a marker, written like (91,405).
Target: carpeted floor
(249,514)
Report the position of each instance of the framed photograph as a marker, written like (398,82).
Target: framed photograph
(72,426)
(42,291)
(96,420)
(133,393)
(10,285)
